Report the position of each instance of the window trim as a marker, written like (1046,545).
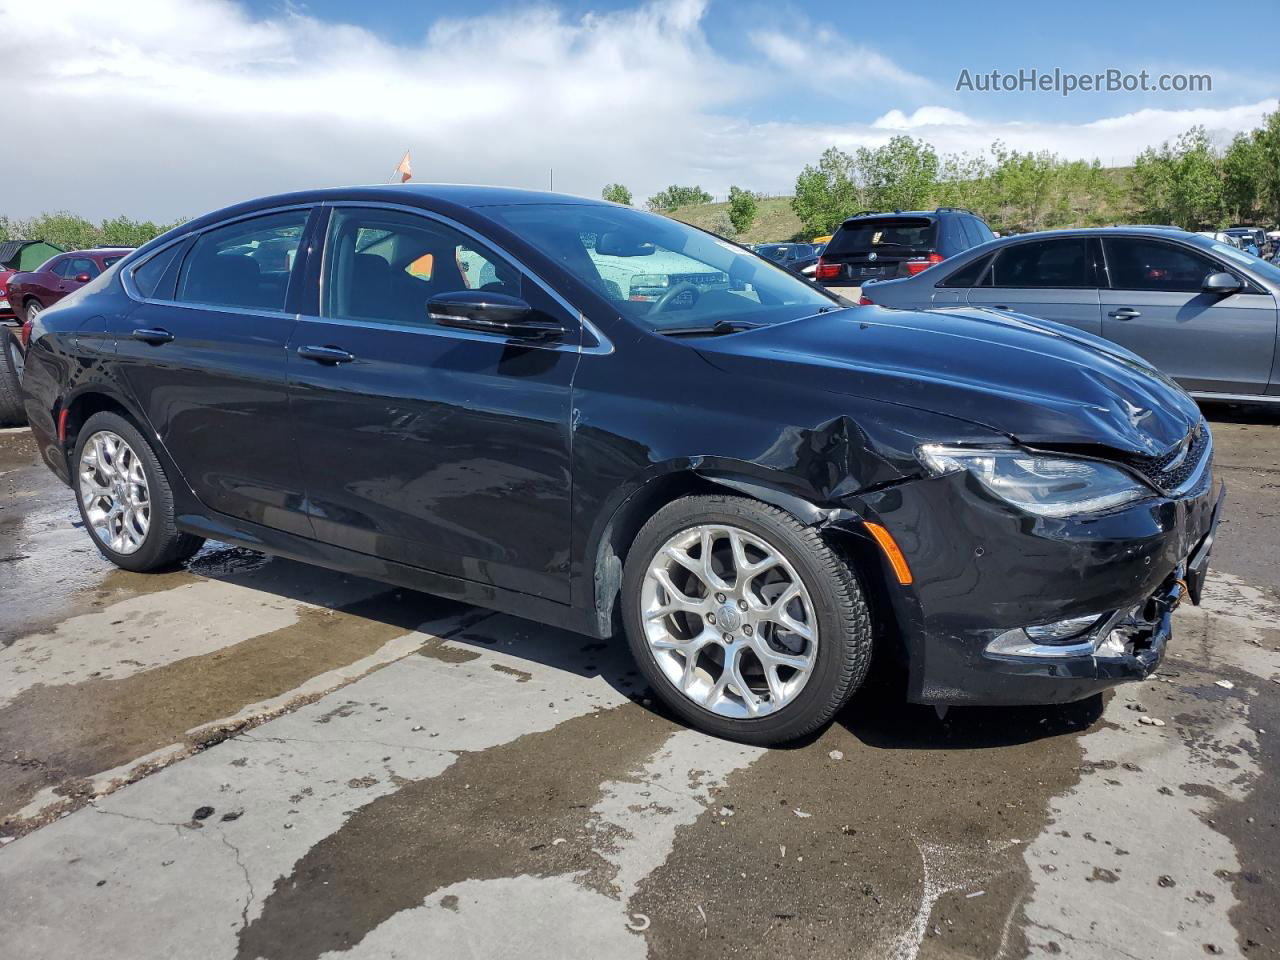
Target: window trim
(1250,286)
(989,257)
(126,275)
(1090,267)
(602,345)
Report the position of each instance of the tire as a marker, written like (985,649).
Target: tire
(160,546)
(12,413)
(827,649)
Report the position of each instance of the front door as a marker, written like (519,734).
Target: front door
(1156,307)
(204,356)
(1046,279)
(435,447)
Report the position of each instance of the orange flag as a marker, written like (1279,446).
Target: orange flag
(404,168)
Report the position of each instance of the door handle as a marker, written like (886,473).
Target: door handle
(329,355)
(1124,313)
(1000,306)
(153,335)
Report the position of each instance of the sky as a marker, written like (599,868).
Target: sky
(164,108)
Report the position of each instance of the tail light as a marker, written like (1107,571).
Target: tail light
(827,271)
(24,336)
(919,266)
(865,301)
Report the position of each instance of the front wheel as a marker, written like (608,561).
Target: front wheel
(745,622)
(125,498)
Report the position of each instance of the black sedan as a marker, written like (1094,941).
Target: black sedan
(449,388)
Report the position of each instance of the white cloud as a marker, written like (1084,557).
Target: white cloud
(806,50)
(160,109)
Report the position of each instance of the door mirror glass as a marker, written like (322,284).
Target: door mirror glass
(490,312)
(1221,283)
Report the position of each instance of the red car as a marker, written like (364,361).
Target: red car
(29,293)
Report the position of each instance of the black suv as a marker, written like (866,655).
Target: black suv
(881,246)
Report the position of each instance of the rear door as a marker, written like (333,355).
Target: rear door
(1156,307)
(436,447)
(203,354)
(1049,279)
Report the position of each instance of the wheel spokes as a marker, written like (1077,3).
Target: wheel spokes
(746,646)
(114,492)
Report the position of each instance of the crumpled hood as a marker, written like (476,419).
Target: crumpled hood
(1037,383)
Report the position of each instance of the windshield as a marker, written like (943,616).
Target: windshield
(659,271)
(1262,268)
(891,234)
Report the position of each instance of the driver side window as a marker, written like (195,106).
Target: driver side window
(384,265)
(1136,264)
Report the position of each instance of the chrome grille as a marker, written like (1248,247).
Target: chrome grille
(1170,471)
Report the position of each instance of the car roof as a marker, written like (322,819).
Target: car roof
(444,195)
(1135,229)
(97,251)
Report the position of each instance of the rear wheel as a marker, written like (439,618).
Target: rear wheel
(12,413)
(125,498)
(747,623)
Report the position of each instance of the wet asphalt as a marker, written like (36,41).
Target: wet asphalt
(253,758)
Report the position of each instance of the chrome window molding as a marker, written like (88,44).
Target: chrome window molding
(601,345)
(126,275)
(436,330)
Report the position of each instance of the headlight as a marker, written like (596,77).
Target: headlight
(1044,485)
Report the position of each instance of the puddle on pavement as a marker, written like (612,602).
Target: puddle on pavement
(56,735)
(520,809)
(887,842)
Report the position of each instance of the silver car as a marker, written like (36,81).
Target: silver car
(1202,311)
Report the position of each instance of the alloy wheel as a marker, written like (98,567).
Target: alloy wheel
(729,621)
(113,489)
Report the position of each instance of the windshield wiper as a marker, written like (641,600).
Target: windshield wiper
(716,329)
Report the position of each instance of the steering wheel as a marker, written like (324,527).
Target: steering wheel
(669,297)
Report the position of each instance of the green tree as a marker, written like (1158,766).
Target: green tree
(1181,183)
(674,197)
(616,193)
(742,209)
(826,194)
(901,175)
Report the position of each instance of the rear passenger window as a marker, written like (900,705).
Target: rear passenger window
(967,276)
(1136,264)
(981,230)
(147,277)
(1046,263)
(245,264)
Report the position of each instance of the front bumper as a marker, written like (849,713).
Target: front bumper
(982,570)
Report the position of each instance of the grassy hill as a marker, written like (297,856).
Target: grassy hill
(776,222)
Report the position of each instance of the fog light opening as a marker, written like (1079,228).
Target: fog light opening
(1073,637)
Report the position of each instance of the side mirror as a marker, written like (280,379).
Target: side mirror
(83,278)
(1221,284)
(492,313)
